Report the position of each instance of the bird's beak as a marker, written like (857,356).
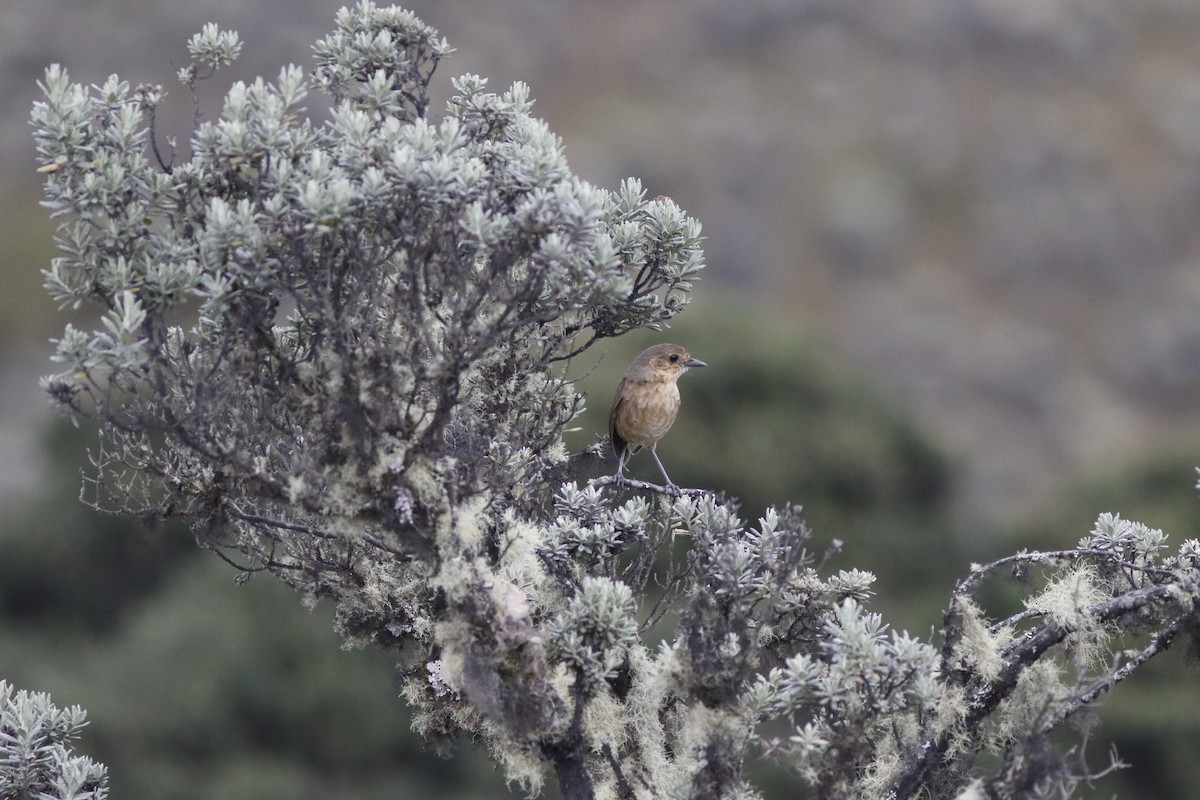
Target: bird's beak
(694,362)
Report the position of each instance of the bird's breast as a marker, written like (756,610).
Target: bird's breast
(648,411)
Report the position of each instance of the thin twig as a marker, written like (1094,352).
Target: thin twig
(669,491)
(278,523)
(309,530)
(1161,641)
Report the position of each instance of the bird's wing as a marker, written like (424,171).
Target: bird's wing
(618,444)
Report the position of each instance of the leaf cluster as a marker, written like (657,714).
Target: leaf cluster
(36,758)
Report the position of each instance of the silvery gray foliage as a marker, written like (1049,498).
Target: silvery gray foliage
(36,762)
(338,348)
(338,325)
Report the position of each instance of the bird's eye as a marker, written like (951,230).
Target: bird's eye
(674,357)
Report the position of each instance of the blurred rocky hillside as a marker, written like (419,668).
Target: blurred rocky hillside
(987,206)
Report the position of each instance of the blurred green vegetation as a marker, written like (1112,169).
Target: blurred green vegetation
(28,235)
(199,688)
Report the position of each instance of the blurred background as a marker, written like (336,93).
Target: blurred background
(950,309)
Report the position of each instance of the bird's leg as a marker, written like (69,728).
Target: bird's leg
(622,457)
(666,477)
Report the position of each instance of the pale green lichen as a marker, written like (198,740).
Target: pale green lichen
(980,648)
(657,679)
(950,716)
(878,775)
(1068,599)
(1039,689)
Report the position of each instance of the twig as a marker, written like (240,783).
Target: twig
(624,789)
(278,523)
(309,530)
(670,491)
(1161,641)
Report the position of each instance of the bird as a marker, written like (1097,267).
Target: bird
(647,402)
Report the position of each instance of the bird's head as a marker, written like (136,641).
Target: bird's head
(667,361)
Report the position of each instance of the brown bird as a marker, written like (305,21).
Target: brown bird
(647,402)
